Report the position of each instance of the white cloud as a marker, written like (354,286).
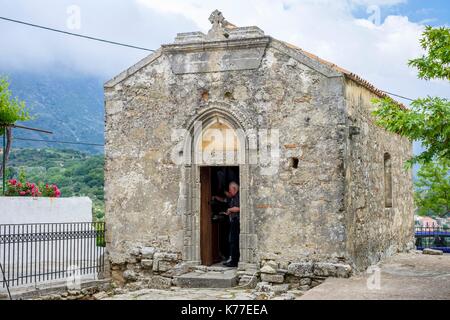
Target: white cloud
(121,21)
(327,28)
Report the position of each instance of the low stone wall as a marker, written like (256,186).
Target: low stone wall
(88,290)
(302,275)
(148,267)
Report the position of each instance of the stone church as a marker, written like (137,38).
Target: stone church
(323,190)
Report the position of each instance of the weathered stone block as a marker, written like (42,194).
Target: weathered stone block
(147,263)
(326,269)
(301,269)
(273,278)
(280,288)
(268,269)
(158,282)
(165,256)
(432,252)
(130,275)
(147,252)
(135,251)
(165,265)
(263,287)
(305,281)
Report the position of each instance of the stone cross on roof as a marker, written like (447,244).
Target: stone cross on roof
(219,24)
(216,18)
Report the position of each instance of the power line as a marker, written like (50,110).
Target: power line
(62,142)
(76,34)
(396,95)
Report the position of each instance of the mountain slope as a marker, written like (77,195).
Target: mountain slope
(69,105)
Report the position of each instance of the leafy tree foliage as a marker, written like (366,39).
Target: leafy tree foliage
(428,119)
(11,111)
(433,188)
(436,63)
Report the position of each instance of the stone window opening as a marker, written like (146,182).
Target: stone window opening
(294,163)
(387,180)
(205,95)
(228,95)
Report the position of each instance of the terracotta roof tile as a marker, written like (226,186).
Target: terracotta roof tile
(350,75)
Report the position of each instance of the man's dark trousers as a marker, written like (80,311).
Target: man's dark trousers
(234,238)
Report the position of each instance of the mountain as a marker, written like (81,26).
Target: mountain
(69,105)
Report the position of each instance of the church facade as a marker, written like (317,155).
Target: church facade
(323,190)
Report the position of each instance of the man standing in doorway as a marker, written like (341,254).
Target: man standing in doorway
(233,212)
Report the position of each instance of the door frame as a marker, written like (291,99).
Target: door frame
(189,200)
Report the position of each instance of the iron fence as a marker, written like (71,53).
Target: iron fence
(41,252)
(433,236)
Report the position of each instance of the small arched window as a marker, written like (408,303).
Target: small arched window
(387,180)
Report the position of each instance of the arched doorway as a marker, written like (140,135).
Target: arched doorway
(217,153)
(217,141)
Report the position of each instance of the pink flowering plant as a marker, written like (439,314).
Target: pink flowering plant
(50,190)
(15,188)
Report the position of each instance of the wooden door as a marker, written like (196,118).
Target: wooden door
(206,243)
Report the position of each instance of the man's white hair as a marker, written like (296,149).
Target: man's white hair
(234,185)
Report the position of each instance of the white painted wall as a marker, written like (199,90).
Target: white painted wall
(45,256)
(15,210)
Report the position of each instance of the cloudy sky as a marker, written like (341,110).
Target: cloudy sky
(373,38)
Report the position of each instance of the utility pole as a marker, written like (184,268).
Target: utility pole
(5,128)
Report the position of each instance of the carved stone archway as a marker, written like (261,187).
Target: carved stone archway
(189,198)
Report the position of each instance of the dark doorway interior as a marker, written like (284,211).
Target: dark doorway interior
(214,225)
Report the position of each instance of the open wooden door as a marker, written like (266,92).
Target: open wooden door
(206,243)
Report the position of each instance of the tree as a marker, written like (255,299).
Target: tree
(433,188)
(428,119)
(436,63)
(11,111)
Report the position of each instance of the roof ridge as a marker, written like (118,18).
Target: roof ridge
(350,75)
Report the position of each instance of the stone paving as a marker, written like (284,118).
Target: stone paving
(202,294)
(404,276)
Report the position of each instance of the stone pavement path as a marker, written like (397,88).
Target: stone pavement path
(196,294)
(404,276)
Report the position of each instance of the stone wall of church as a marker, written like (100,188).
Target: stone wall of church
(141,182)
(298,212)
(376,225)
(318,213)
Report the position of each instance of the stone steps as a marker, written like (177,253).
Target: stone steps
(213,268)
(210,279)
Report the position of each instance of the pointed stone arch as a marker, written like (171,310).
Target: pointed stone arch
(189,197)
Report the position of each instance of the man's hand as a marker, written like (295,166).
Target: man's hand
(233,210)
(218,198)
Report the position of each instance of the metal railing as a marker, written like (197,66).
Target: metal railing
(433,236)
(41,252)
(431,229)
